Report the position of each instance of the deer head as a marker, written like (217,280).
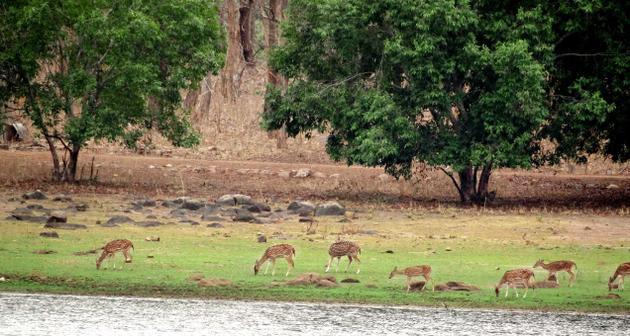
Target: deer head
(610,284)
(256,267)
(540,263)
(394,272)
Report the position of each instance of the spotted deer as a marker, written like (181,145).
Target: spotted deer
(621,271)
(559,266)
(413,271)
(274,252)
(514,278)
(343,248)
(110,249)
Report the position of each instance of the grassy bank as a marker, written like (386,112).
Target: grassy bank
(474,248)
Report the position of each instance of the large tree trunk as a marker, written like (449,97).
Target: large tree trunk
(473,185)
(275,14)
(247,25)
(233,60)
(71,168)
(57,172)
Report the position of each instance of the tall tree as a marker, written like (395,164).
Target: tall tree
(398,81)
(86,70)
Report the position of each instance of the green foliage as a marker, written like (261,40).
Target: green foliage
(93,69)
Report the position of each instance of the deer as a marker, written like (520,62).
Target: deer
(414,271)
(621,271)
(342,248)
(559,266)
(521,276)
(274,252)
(110,249)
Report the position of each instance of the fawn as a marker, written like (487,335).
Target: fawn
(342,248)
(285,251)
(413,271)
(112,247)
(621,271)
(559,266)
(513,278)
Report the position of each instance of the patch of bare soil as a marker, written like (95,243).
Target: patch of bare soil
(280,182)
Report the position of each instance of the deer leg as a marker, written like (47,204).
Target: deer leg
(428,278)
(273,268)
(408,284)
(507,290)
(338,262)
(291,265)
(329,263)
(266,267)
(526,289)
(571,278)
(621,282)
(349,262)
(555,275)
(515,290)
(127,255)
(100,259)
(358,264)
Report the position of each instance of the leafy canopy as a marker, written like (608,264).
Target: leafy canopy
(397,81)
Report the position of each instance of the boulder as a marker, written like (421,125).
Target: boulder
(81,207)
(62,198)
(192,205)
(57,218)
(37,195)
(179,213)
(303,173)
(49,234)
(234,199)
(189,221)
(148,224)
(65,226)
(211,218)
(215,225)
(261,238)
(349,280)
(455,286)
(152,239)
(301,207)
(330,209)
(313,279)
(117,219)
(37,207)
(257,207)
(243,215)
(143,202)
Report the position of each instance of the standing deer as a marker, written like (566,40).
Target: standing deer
(110,249)
(342,248)
(621,271)
(414,271)
(513,278)
(559,266)
(285,251)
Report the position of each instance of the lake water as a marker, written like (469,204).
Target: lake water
(41,314)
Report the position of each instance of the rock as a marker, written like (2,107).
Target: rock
(152,238)
(389,251)
(23,214)
(62,198)
(65,226)
(37,207)
(242,215)
(211,218)
(257,207)
(49,234)
(81,207)
(234,199)
(117,219)
(44,252)
(612,186)
(189,221)
(587,228)
(179,213)
(301,207)
(350,280)
(303,173)
(213,282)
(38,195)
(170,204)
(57,218)
(330,209)
(148,224)
(261,238)
(306,220)
(448,249)
(143,202)
(215,225)
(209,209)
(192,205)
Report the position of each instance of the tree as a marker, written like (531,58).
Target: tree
(395,82)
(83,70)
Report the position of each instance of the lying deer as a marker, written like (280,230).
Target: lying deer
(559,266)
(274,252)
(621,271)
(344,248)
(514,278)
(414,271)
(110,249)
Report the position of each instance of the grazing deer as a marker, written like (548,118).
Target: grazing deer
(342,248)
(559,266)
(513,278)
(112,247)
(274,252)
(621,271)
(414,271)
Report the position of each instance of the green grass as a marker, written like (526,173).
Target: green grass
(483,244)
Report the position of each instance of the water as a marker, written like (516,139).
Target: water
(39,314)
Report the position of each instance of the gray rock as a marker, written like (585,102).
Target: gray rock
(215,225)
(301,207)
(57,218)
(23,214)
(78,207)
(209,209)
(234,199)
(118,219)
(65,226)
(330,209)
(62,198)
(49,234)
(179,213)
(148,224)
(38,195)
(211,218)
(192,205)
(261,238)
(37,207)
(143,202)
(243,215)
(170,204)
(189,221)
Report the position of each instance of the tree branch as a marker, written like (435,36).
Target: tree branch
(452,178)
(588,54)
